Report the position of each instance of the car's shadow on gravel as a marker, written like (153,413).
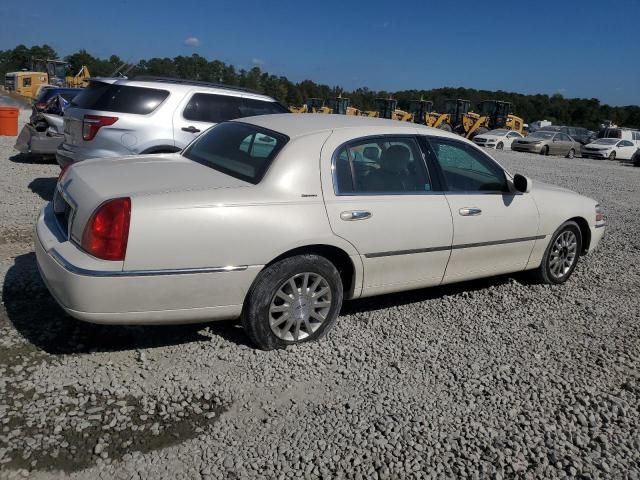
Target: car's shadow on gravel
(32,158)
(44,187)
(37,317)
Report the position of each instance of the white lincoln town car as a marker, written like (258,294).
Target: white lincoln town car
(276,219)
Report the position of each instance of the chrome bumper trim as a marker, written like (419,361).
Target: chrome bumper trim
(64,263)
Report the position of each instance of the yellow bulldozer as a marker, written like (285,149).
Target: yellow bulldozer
(340,106)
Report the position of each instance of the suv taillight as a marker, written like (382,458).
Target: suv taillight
(107,232)
(92,123)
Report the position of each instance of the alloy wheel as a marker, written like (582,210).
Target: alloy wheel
(564,254)
(300,306)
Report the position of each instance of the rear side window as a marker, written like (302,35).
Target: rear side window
(238,149)
(119,98)
(211,108)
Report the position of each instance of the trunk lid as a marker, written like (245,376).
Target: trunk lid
(90,183)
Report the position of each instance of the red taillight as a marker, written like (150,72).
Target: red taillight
(107,232)
(41,105)
(92,123)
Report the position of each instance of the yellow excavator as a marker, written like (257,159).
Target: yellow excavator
(80,79)
(493,114)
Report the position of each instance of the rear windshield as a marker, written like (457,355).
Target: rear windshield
(212,108)
(119,98)
(238,149)
(610,133)
(48,93)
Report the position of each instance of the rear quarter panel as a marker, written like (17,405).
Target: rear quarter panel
(235,226)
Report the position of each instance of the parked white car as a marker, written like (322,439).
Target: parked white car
(276,219)
(609,148)
(499,139)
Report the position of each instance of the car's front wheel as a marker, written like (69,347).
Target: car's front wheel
(500,146)
(544,150)
(295,300)
(561,256)
(612,156)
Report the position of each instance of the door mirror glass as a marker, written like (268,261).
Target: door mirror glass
(521,183)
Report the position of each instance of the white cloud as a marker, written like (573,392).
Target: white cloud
(257,61)
(192,42)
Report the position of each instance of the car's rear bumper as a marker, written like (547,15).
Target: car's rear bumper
(67,154)
(42,143)
(101,292)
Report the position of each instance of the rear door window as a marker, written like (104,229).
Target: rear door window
(251,107)
(119,98)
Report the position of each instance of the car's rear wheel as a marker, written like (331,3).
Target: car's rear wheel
(500,146)
(544,150)
(295,300)
(561,255)
(612,156)
(571,154)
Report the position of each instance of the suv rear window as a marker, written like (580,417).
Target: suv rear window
(238,149)
(211,108)
(119,98)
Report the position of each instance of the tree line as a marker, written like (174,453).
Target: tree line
(582,112)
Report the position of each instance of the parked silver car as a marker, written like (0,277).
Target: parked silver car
(547,143)
(118,117)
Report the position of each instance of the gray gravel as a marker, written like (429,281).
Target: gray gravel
(489,379)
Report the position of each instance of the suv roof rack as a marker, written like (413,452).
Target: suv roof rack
(183,81)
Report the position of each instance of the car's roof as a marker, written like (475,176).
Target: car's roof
(301,124)
(175,85)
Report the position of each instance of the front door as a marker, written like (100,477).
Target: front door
(495,229)
(381,197)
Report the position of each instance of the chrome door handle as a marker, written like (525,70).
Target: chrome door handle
(355,215)
(470,211)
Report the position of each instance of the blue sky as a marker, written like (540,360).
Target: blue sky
(577,48)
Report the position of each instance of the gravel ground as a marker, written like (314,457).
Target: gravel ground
(488,379)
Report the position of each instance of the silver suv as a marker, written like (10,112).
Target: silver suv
(114,117)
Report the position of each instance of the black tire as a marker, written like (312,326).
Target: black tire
(544,273)
(571,154)
(636,159)
(446,127)
(500,146)
(544,150)
(612,156)
(256,312)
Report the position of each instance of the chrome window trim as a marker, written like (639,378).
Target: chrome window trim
(334,181)
(64,263)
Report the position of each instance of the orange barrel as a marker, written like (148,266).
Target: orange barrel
(9,121)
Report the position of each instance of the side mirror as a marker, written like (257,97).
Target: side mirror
(521,183)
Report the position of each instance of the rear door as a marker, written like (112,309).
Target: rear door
(495,229)
(199,111)
(381,197)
